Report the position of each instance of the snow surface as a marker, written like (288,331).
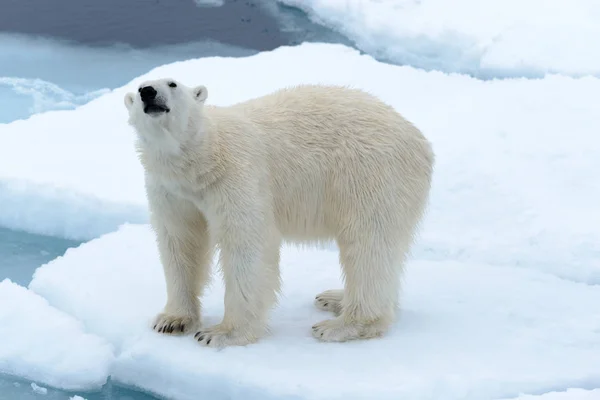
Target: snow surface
(40,343)
(461,328)
(500,297)
(516,170)
(486,38)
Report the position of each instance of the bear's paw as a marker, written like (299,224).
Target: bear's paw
(340,330)
(174,324)
(330,300)
(222,336)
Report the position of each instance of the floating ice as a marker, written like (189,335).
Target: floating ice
(499,297)
(209,3)
(466,331)
(485,38)
(42,344)
(515,180)
(38,389)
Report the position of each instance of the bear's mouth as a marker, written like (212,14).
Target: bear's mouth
(155,109)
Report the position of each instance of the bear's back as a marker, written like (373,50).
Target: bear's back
(326,144)
(334,122)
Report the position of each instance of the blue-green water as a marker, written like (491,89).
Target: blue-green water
(12,389)
(21,253)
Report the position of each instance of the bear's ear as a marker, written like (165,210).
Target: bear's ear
(128,100)
(200,93)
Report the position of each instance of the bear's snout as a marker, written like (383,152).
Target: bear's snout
(147,93)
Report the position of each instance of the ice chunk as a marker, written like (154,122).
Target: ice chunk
(209,3)
(466,331)
(38,389)
(40,343)
(484,38)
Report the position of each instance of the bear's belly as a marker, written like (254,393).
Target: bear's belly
(305,218)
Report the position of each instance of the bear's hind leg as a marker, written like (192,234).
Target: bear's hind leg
(372,264)
(186,253)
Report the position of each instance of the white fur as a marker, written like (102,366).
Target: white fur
(306,164)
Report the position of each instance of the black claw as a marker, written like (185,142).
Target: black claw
(321,334)
(181,327)
(154,327)
(325,305)
(196,335)
(201,338)
(208,341)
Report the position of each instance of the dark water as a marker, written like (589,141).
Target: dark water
(260,25)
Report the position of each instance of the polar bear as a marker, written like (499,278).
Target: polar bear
(307,164)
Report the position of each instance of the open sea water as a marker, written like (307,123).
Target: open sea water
(59,54)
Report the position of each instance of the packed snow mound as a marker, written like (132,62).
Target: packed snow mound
(40,343)
(515,179)
(465,331)
(492,38)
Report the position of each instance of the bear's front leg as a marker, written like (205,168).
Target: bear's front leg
(250,264)
(185,251)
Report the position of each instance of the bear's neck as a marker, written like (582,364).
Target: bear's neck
(196,161)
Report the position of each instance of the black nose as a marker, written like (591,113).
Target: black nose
(147,93)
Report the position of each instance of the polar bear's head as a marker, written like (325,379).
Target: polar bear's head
(164,107)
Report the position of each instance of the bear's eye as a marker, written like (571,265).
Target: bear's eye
(172,84)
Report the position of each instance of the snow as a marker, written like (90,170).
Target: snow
(41,343)
(516,159)
(500,296)
(38,389)
(457,337)
(485,38)
(569,394)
